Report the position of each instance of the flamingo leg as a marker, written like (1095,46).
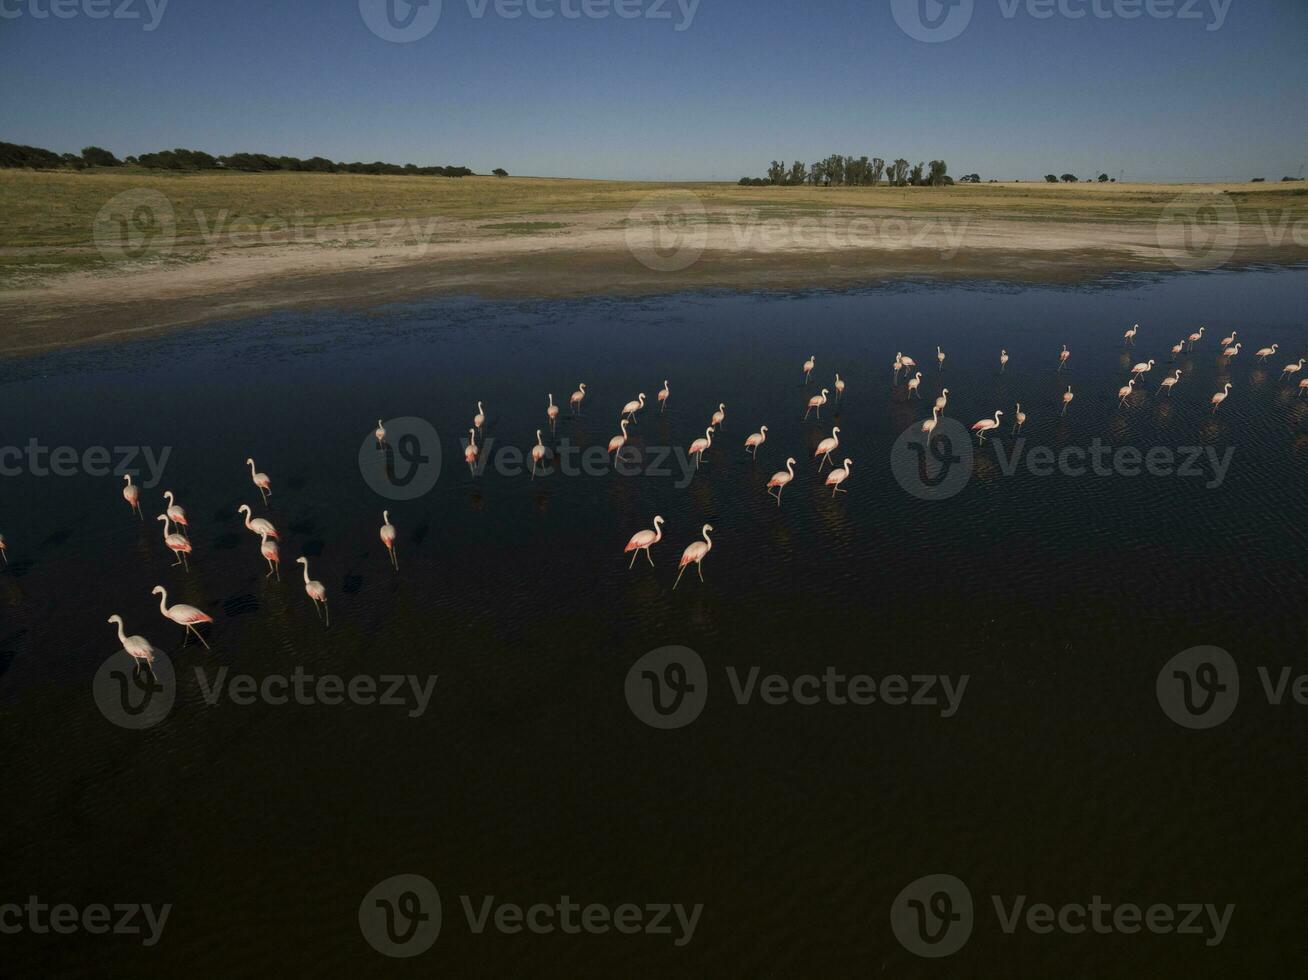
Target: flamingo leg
(699,567)
(327,612)
(198,636)
(316,610)
(633,560)
(678,581)
(648,558)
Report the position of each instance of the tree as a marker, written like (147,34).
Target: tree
(500,172)
(74,161)
(798,173)
(878,168)
(777,172)
(897,173)
(1103,178)
(1068,178)
(915,175)
(98,157)
(937,173)
(1051,178)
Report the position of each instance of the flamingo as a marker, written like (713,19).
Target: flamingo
(552,413)
(695,553)
(315,590)
(719,416)
(1062,358)
(631,408)
(261,481)
(940,358)
(826,447)
(909,364)
(1020,418)
(617,442)
(1220,397)
(808,367)
(182,614)
(780,479)
(913,385)
(1228,341)
(929,426)
(258,525)
(3,552)
(1293,369)
(838,476)
(176,514)
(575,401)
(1140,370)
(1003,360)
(756,440)
(272,555)
(898,366)
(1231,351)
(1170,383)
(387,535)
(1303,389)
(138,647)
(700,446)
(840,387)
(479,419)
(537,454)
(985,425)
(1267,352)
(380,434)
(943,400)
(1177,348)
(643,541)
(663,396)
(176,543)
(132,494)
(1128,338)
(817,401)
(1067,399)
(1196,337)
(1124,392)
(470,452)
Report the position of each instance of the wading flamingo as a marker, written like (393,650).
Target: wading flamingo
(1195,338)
(1003,360)
(258,525)
(380,434)
(1231,351)
(1019,419)
(1124,392)
(913,384)
(315,591)
(1267,352)
(182,614)
(552,413)
(176,543)
(664,393)
(537,454)
(176,514)
(826,447)
(1293,369)
(387,535)
(781,478)
(1067,399)
(808,367)
(1062,357)
(929,426)
(617,442)
(577,397)
(1140,370)
(756,440)
(1303,389)
(700,446)
(138,647)
(985,425)
(719,416)
(695,553)
(838,476)
(943,400)
(1177,348)
(132,494)
(1228,341)
(1170,383)
(470,452)
(1128,338)
(479,419)
(940,358)
(1220,397)
(631,408)
(908,363)
(898,366)
(4,553)
(643,541)
(817,401)
(840,387)
(261,481)
(272,555)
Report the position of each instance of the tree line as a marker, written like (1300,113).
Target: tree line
(34,157)
(850,171)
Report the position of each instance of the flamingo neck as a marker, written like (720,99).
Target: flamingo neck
(707,539)
(790,468)
(306,572)
(122,636)
(163,601)
(251,462)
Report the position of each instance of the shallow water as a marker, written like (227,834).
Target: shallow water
(528,776)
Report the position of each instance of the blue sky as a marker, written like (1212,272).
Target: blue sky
(1014,95)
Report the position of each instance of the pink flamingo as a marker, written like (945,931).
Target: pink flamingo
(1293,368)
(756,440)
(138,647)
(908,363)
(940,358)
(808,367)
(942,401)
(1140,370)
(387,535)
(929,426)
(176,514)
(1303,389)
(643,541)
(695,553)
(985,425)
(700,446)
(1124,392)
(1003,360)
(817,401)
(1177,348)
(1170,383)
(1228,341)
(826,447)
(176,543)
(4,553)
(132,494)
(261,481)
(1128,338)
(258,525)
(780,479)
(470,453)
(1220,397)
(719,416)
(631,408)
(617,442)
(537,454)
(315,590)
(272,555)
(898,366)
(838,476)
(1267,352)
(552,413)
(380,434)
(1067,399)
(840,387)
(1019,419)
(663,396)
(1231,351)
(1196,337)
(479,419)
(913,384)
(577,397)
(182,614)
(1062,357)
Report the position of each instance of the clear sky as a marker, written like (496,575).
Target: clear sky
(1016,94)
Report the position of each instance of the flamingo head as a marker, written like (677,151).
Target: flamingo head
(582,386)
(249,460)
(944,391)
(168,495)
(641,397)
(790,460)
(244,508)
(835,430)
(707,528)
(1151,362)
(379,423)
(658,519)
(115,618)
(848,463)
(762,428)
(156,590)
(824,392)
(999,412)
(128,478)
(302,561)
(162,517)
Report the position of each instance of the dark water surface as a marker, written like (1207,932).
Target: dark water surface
(528,777)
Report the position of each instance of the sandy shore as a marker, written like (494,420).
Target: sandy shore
(670,242)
